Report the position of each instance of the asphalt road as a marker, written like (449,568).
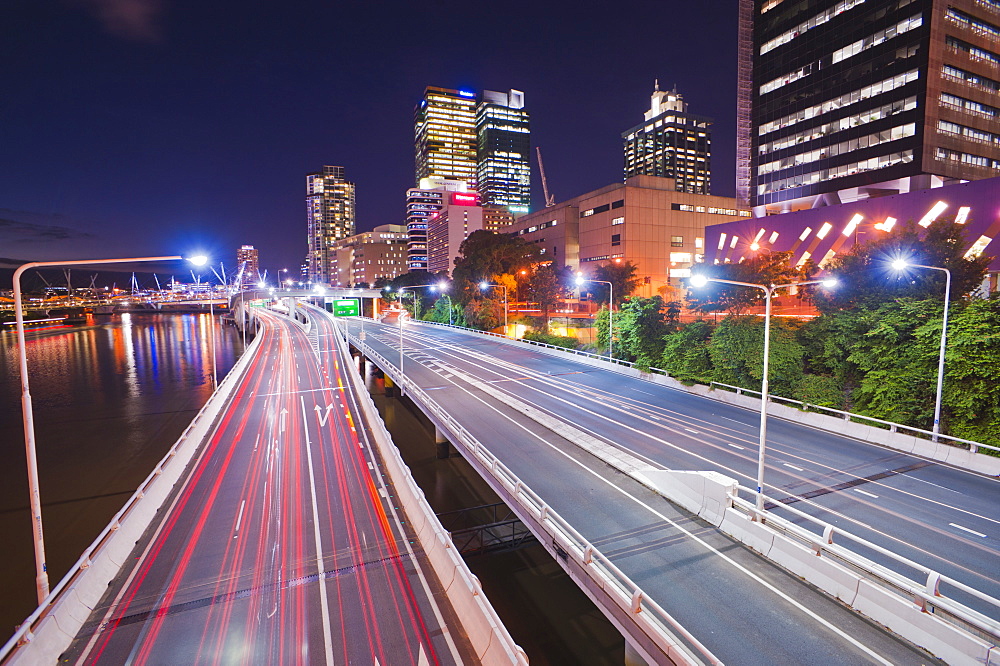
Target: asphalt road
(741,607)
(279,545)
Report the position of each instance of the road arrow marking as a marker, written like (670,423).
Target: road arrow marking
(281,426)
(323,418)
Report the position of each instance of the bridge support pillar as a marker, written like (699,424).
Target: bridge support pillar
(441,444)
(632,656)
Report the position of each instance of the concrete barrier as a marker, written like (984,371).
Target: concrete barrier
(907,619)
(489,638)
(703,493)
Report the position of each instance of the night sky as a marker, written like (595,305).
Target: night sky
(137,127)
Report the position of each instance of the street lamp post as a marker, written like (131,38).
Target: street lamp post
(400,320)
(443,288)
(701,281)
(41,569)
(899,265)
(611,309)
(483,286)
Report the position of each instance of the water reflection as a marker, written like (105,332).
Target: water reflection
(109,399)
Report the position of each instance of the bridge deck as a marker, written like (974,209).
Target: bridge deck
(279,545)
(742,607)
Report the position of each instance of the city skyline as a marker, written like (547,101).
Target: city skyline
(175,132)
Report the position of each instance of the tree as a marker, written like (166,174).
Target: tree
(620,275)
(868,280)
(485,255)
(483,314)
(737,353)
(685,354)
(764,268)
(971,391)
(641,325)
(548,286)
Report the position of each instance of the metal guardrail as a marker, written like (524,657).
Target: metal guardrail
(926,594)
(24,635)
(847,416)
(660,626)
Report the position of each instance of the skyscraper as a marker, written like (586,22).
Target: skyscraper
(503,169)
(422,203)
(671,143)
(445,135)
(330,214)
(248,266)
(849,99)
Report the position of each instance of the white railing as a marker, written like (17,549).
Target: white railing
(925,591)
(891,426)
(656,622)
(850,416)
(121,529)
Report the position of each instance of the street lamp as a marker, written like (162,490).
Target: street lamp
(443,288)
(400,320)
(899,265)
(483,286)
(701,281)
(41,569)
(611,308)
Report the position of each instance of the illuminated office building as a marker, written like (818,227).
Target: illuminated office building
(504,151)
(330,216)
(422,203)
(671,143)
(248,265)
(447,229)
(445,135)
(844,100)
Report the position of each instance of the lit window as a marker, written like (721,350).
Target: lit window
(677,241)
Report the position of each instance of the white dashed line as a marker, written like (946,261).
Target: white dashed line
(735,446)
(689,430)
(865,492)
(797,469)
(966,529)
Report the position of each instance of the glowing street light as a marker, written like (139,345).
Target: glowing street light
(700,281)
(611,309)
(901,265)
(41,570)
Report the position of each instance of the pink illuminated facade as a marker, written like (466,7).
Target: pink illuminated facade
(822,233)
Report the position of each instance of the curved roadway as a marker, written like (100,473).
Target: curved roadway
(279,545)
(744,609)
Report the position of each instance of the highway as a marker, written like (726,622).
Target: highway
(280,544)
(744,609)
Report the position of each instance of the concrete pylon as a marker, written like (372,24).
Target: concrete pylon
(441,444)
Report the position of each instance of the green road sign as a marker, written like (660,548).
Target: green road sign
(345,307)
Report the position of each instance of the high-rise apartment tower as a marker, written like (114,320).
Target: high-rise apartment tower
(330,215)
(841,100)
(671,143)
(247,263)
(503,133)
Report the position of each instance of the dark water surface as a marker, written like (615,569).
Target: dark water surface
(109,399)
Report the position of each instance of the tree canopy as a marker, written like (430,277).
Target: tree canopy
(764,268)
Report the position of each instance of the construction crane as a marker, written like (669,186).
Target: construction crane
(550,200)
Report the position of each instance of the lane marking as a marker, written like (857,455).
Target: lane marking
(797,469)
(239,519)
(694,431)
(324,602)
(865,492)
(966,529)
(735,446)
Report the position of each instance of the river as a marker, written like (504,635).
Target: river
(109,399)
